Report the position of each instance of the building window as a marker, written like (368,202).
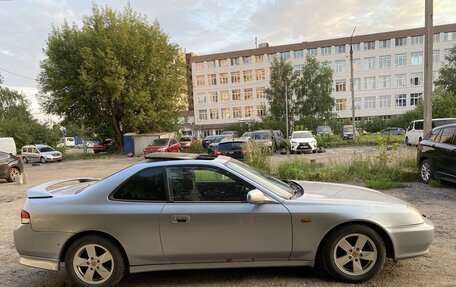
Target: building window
(236,95)
(199,65)
(202,115)
(401,100)
(341,67)
(298,54)
(340,49)
(416,79)
(247,75)
(369,45)
(369,83)
(234,61)
(384,102)
(214,114)
(382,44)
(369,63)
(449,36)
(226,113)
(248,111)
(223,78)
(384,62)
(223,63)
(259,58)
(260,74)
(298,68)
(246,60)
(357,64)
(369,102)
(211,64)
(260,93)
(224,96)
(357,84)
(202,98)
(272,57)
(358,103)
(212,79)
(200,81)
(237,112)
(341,85)
(416,40)
(385,82)
(285,55)
(436,56)
(416,58)
(400,41)
(213,96)
(401,80)
(235,77)
(436,38)
(325,51)
(356,47)
(261,110)
(312,52)
(248,94)
(414,98)
(400,60)
(341,104)
(327,64)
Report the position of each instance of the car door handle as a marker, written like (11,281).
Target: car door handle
(180,219)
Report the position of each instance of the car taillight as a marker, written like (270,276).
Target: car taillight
(217,152)
(25,217)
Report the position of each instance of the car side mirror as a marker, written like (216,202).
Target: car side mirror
(255,196)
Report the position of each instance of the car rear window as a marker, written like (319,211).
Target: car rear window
(230,146)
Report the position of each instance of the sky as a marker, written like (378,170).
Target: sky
(203,26)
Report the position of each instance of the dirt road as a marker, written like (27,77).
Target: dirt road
(435,269)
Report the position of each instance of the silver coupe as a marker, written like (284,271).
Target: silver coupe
(184,211)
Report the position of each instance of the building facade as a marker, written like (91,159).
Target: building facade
(228,88)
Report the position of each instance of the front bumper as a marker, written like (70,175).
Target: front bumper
(53,158)
(303,147)
(411,240)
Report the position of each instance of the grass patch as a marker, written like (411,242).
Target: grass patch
(83,156)
(384,184)
(436,183)
(196,147)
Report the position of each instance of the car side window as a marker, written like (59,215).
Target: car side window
(447,135)
(206,184)
(419,125)
(34,150)
(434,135)
(172,142)
(146,185)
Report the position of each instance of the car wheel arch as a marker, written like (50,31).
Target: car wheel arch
(76,236)
(382,232)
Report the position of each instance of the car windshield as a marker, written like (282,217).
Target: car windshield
(348,129)
(246,134)
(219,139)
(302,135)
(45,149)
(230,146)
(185,139)
(323,129)
(274,185)
(160,142)
(261,136)
(208,138)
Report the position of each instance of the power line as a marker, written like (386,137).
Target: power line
(19,75)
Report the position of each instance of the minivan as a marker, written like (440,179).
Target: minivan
(8,145)
(414,133)
(40,153)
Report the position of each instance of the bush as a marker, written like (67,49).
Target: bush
(259,158)
(196,147)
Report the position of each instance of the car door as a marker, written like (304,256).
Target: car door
(209,220)
(445,154)
(34,154)
(3,165)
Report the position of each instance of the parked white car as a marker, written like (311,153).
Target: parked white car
(302,141)
(40,153)
(414,133)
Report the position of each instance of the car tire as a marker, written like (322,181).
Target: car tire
(13,173)
(426,173)
(43,160)
(292,152)
(353,253)
(84,262)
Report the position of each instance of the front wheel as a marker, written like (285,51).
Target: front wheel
(94,261)
(353,253)
(426,171)
(13,174)
(42,160)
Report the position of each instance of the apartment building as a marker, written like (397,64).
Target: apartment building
(228,88)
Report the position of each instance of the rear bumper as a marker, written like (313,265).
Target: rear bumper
(411,240)
(43,263)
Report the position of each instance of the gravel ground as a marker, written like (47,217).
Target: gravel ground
(435,269)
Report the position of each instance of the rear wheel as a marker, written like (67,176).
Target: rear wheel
(42,160)
(94,261)
(426,171)
(13,174)
(353,253)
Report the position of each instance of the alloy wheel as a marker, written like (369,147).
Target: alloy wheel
(93,264)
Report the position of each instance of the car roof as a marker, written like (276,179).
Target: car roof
(445,126)
(179,156)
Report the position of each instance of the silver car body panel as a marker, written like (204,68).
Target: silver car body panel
(177,235)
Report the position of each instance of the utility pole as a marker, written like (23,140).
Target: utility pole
(351,82)
(428,39)
(286,109)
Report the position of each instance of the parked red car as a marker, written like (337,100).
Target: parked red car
(162,145)
(185,142)
(103,147)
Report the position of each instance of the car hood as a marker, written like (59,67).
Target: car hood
(53,152)
(264,142)
(307,140)
(344,192)
(155,147)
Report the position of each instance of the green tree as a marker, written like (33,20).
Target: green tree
(115,74)
(447,74)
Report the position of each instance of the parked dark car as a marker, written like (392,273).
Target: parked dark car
(323,130)
(236,148)
(102,147)
(233,134)
(392,131)
(265,140)
(436,156)
(10,166)
(207,141)
(213,146)
(347,132)
(185,142)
